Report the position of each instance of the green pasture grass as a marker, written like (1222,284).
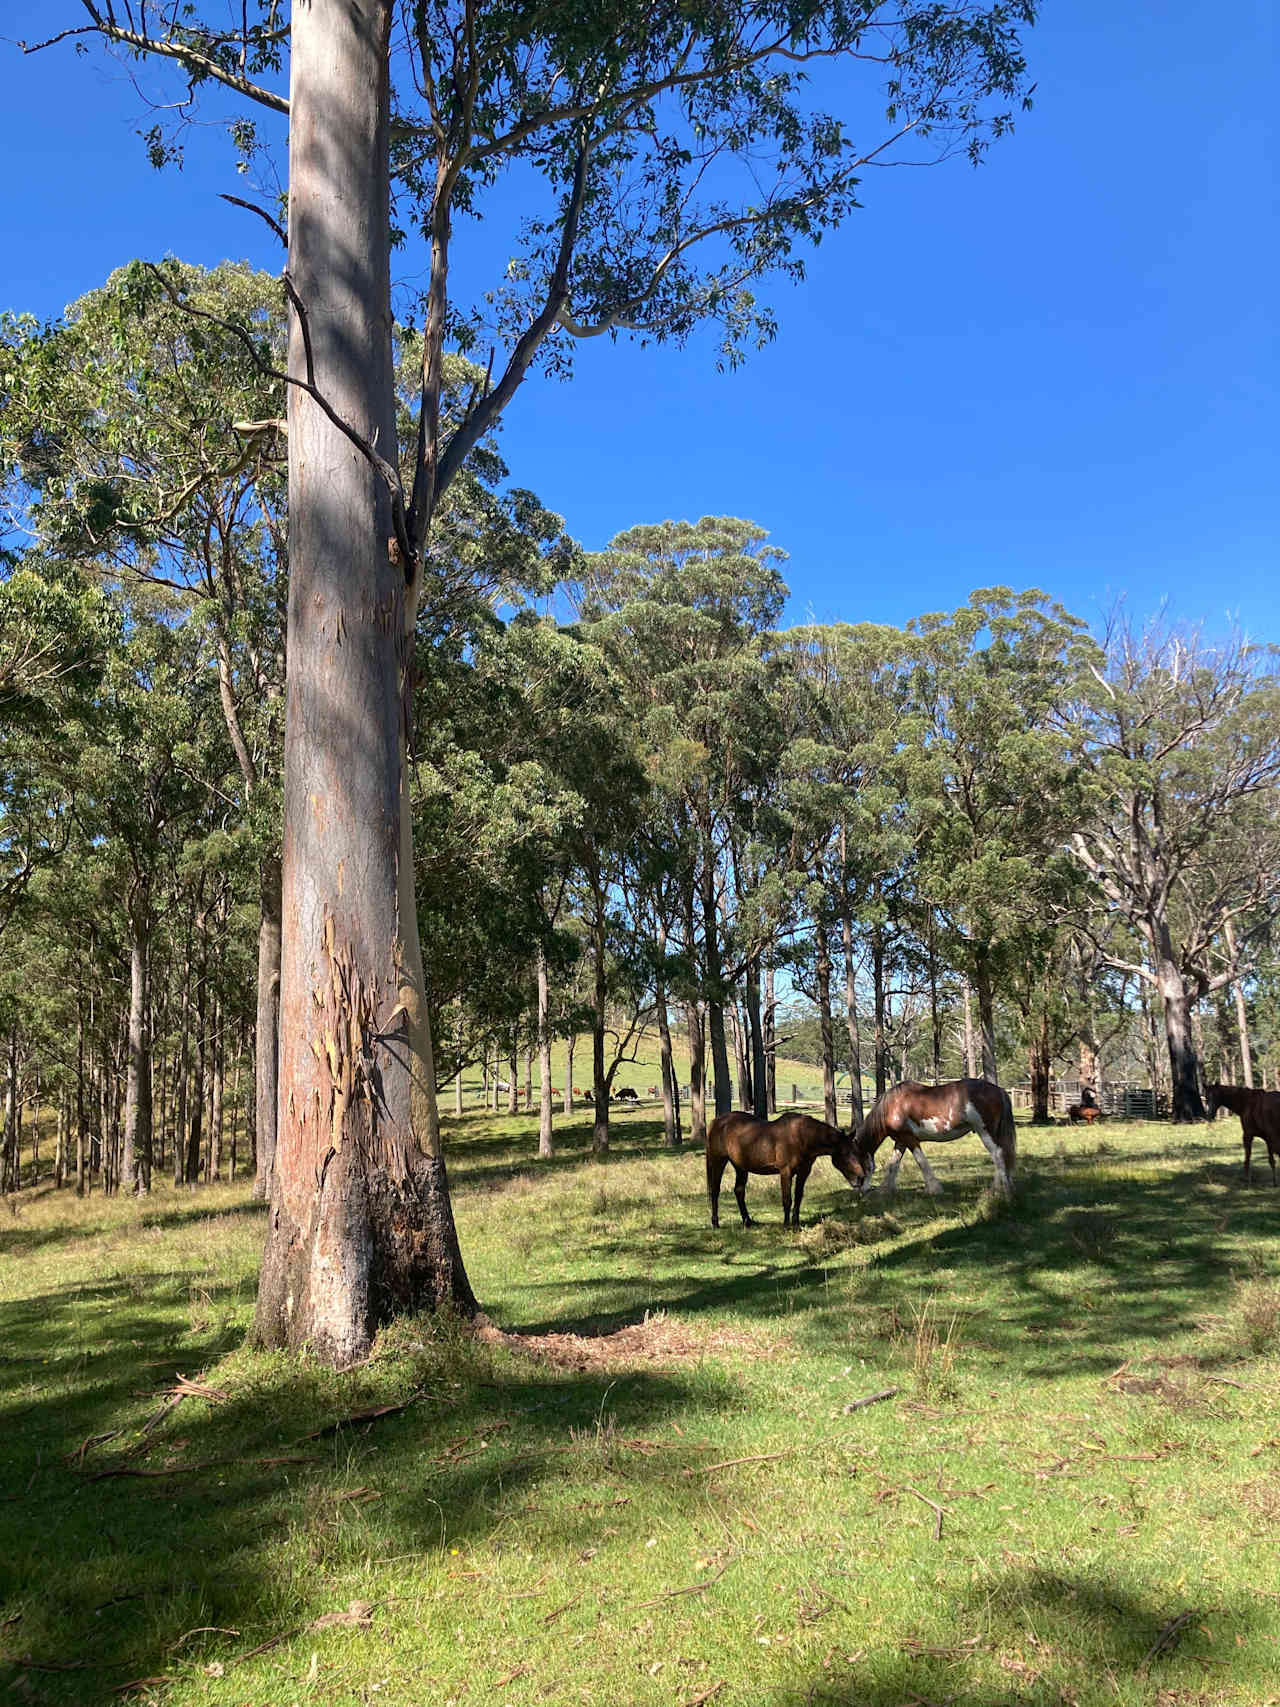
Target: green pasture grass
(660,1486)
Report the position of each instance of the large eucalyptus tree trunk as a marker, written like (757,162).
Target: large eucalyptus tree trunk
(1184,1063)
(360,1223)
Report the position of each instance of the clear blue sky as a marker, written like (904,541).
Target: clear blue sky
(1060,370)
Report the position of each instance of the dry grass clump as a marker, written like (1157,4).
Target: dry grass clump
(830,1236)
(657,1339)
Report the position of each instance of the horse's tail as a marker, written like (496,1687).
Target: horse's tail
(1006,1132)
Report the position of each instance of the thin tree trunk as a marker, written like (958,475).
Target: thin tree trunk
(9,1161)
(217,1090)
(877,982)
(81,1133)
(697,1075)
(934,1019)
(195,1092)
(599,1082)
(571,1044)
(851,1014)
(457,1043)
(266,1029)
(513,1081)
(759,1087)
(135,1166)
(670,1090)
(714,990)
(986,1022)
(830,1110)
(770,1027)
(738,1029)
(1242,1014)
(1040,1070)
(546,1118)
(970,1052)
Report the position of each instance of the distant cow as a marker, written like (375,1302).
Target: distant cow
(628,1093)
(652,1091)
(1087,1112)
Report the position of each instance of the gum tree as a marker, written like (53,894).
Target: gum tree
(1183,740)
(667,156)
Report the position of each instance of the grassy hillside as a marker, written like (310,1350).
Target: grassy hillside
(645,1073)
(664,1484)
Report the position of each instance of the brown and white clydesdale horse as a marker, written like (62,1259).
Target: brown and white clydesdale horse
(910,1112)
(788,1147)
(1259,1113)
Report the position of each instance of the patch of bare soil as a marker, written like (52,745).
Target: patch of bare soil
(658,1339)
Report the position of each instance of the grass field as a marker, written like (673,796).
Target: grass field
(667,1491)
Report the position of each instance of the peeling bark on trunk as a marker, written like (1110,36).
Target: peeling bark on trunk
(360,1225)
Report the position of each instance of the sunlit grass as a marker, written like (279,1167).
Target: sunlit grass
(1083,1445)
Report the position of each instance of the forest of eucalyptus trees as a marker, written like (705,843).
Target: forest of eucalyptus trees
(638,800)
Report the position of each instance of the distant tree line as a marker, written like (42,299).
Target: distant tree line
(988,839)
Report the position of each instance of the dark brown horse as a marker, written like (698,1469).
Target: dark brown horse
(788,1147)
(1087,1112)
(1259,1113)
(910,1112)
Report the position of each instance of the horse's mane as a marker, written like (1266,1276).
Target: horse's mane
(873,1128)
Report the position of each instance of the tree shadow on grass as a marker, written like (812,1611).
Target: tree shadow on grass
(1082,1264)
(1038,1638)
(19,1240)
(237,1513)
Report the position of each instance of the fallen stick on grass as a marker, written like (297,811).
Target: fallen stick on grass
(871,1399)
